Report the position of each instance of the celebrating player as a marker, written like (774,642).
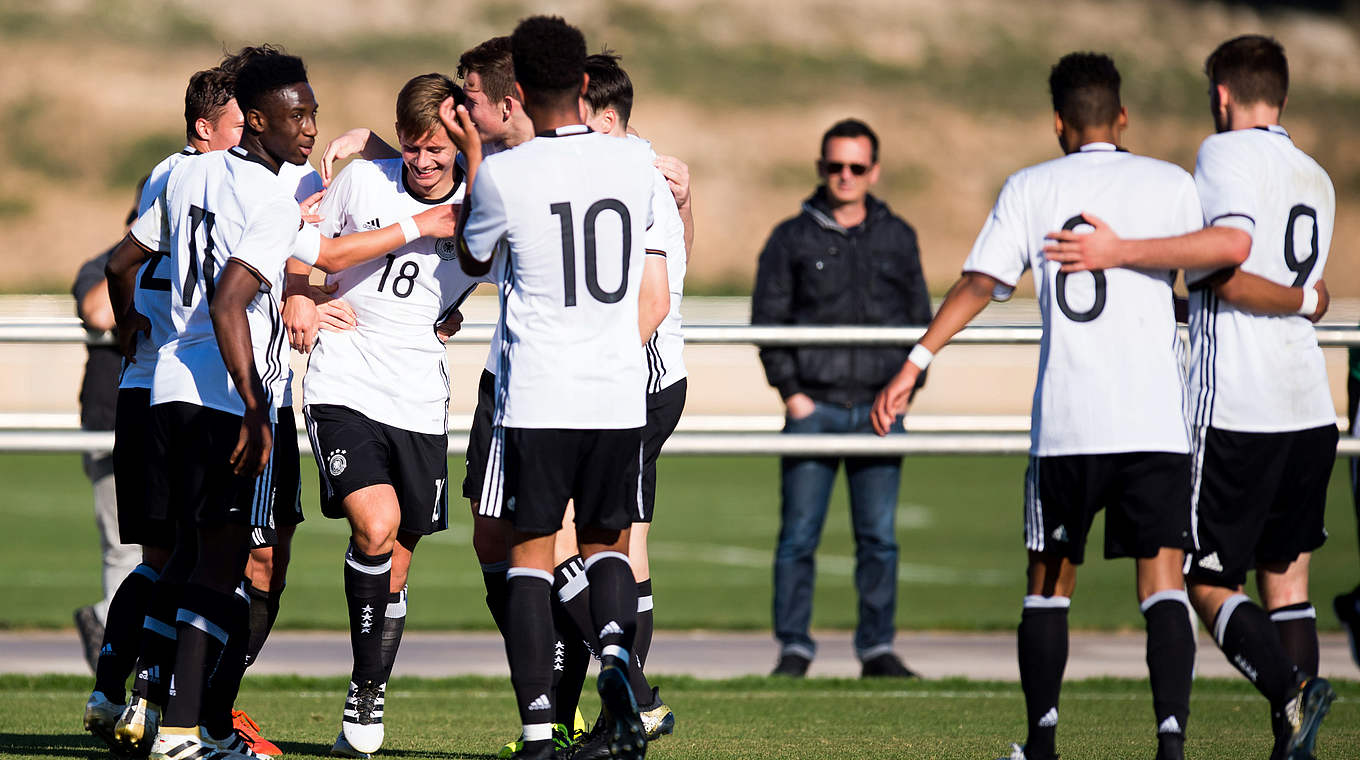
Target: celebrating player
(1108,427)
(1265,430)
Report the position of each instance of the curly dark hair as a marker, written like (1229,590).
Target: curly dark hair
(264,71)
(1085,89)
(1252,67)
(609,85)
(208,93)
(549,56)
(232,62)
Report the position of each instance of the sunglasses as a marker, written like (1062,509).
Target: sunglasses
(836,167)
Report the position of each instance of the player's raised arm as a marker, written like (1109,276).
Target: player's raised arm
(1209,248)
(236,288)
(1259,295)
(676,173)
(482,226)
(361,141)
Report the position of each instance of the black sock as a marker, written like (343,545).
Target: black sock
(204,621)
(123,632)
(1297,626)
(575,662)
(264,610)
(530,649)
(1249,641)
(613,606)
(367,582)
(160,639)
(497,588)
(642,642)
(572,592)
(394,624)
(1170,660)
(1042,643)
(224,682)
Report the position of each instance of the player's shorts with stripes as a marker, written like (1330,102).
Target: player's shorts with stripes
(1145,495)
(354,452)
(544,467)
(286,489)
(1259,499)
(202,487)
(663,414)
(139,473)
(479,438)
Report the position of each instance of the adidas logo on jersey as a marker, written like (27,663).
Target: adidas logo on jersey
(372,224)
(541,703)
(1060,534)
(336,462)
(610,627)
(106,649)
(1169,726)
(1050,718)
(1211,563)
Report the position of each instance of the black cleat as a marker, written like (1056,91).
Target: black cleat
(791,665)
(886,665)
(627,738)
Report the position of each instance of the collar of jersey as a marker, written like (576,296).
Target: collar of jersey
(457,183)
(1274,129)
(570,129)
(246,155)
(189,150)
(1097,147)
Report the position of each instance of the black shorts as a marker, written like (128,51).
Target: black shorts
(139,474)
(599,469)
(285,496)
(479,438)
(354,452)
(663,414)
(1259,499)
(1146,493)
(202,487)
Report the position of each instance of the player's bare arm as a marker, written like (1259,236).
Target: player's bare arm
(676,173)
(121,272)
(458,123)
(348,250)
(1209,248)
(1259,295)
(237,286)
(301,299)
(654,298)
(969,296)
(361,141)
(449,327)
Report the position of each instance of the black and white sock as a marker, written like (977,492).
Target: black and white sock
(394,624)
(123,632)
(224,681)
(160,639)
(642,642)
(1170,660)
(1297,626)
(572,590)
(367,582)
(1042,644)
(203,624)
(493,577)
(529,647)
(264,610)
(613,606)
(1244,633)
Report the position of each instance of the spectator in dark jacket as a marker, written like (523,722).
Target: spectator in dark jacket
(845,260)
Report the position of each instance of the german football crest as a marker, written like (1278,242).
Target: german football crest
(447,248)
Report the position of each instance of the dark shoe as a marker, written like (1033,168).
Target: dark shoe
(791,665)
(628,739)
(1170,746)
(91,634)
(657,718)
(594,745)
(886,665)
(1298,723)
(1347,607)
(538,751)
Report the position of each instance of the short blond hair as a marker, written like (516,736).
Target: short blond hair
(418,103)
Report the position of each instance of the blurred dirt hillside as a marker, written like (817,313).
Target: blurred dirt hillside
(92,94)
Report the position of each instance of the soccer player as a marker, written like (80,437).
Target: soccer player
(572,208)
(1108,428)
(377,396)
(1265,430)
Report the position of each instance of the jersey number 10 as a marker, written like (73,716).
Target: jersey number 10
(563,212)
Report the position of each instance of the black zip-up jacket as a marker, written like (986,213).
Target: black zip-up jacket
(815,272)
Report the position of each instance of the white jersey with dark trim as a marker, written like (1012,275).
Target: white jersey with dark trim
(1249,372)
(666,348)
(224,206)
(303,182)
(573,208)
(493,353)
(152,294)
(1111,377)
(391,367)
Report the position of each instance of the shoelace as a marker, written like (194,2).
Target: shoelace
(240,715)
(365,702)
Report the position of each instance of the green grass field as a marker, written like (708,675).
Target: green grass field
(959,528)
(751,719)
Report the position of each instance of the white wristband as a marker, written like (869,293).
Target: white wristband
(409,228)
(920,356)
(1310,302)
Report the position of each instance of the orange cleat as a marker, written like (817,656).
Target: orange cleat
(249,731)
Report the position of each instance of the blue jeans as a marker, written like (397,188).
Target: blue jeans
(805,494)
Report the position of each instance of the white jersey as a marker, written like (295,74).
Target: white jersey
(1111,377)
(666,348)
(493,353)
(223,206)
(303,182)
(152,294)
(573,207)
(1249,372)
(391,368)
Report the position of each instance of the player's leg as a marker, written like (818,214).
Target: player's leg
(394,618)
(1347,605)
(1284,592)
(804,496)
(490,535)
(119,556)
(574,636)
(374,518)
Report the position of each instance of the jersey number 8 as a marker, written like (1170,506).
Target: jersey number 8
(563,212)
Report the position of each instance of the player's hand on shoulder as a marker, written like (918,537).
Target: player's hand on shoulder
(132,323)
(342,147)
(894,398)
(1324,301)
(1083,251)
(449,327)
(676,173)
(311,207)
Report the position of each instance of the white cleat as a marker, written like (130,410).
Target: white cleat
(1017,752)
(362,722)
(189,744)
(342,748)
(233,743)
(136,729)
(101,716)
